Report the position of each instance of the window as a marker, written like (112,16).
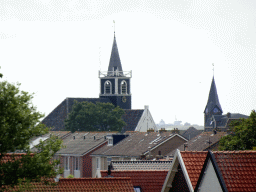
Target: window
(76,163)
(123,87)
(98,162)
(66,163)
(110,141)
(108,87)
(137,189)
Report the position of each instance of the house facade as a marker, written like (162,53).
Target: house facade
(75,158)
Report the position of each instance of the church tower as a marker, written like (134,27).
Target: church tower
(115,83)
(213,106)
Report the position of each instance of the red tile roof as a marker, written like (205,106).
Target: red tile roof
(86,184)
(238,169)
(193,161)
(8,156)
(149,181)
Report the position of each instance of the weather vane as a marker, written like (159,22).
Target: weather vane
(114,26)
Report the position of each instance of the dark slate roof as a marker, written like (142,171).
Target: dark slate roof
(213,99)
(200,142)
(224,120)
(136,144)
(56,118)
(115,62)
(191,132)
(80,143)
(131,118)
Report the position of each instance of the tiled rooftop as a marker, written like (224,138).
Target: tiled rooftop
(55,120)
(131,118)
(193,161)
(201,142)
(136,144)
(83,142)
(238,169)
(86,184)
(141,165)
(149,181)
(191,132)
(8,157)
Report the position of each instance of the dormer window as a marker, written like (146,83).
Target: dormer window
(107,87)
(110,141)
(123,87)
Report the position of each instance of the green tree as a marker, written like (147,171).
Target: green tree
(19,122)
(87,116)
(242,135)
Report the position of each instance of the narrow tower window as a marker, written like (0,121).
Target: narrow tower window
(123,87)
(108,87)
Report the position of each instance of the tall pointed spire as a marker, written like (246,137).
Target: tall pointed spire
(115,62)
(213,99)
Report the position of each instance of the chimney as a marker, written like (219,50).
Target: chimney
(150,130)
(162,130)
(185,146)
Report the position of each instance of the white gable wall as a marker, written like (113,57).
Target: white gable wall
(146,121)
(210,180)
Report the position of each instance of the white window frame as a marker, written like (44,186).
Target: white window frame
(125,87)
(76,163)
(66,163)
(110,141)
(105,87)
(98,163)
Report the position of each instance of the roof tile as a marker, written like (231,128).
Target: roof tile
(150,181)
(193,161)
(238,169)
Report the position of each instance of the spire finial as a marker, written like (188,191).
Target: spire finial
(213,68)
(114,27)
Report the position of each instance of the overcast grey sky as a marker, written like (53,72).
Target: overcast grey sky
(55,48)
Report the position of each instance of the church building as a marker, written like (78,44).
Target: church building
(214,120)
(115,88)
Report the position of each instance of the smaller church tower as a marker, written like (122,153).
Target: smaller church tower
(115,83)
(213,106)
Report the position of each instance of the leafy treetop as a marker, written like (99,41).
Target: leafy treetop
(19,123)
(243,135)
(87,116)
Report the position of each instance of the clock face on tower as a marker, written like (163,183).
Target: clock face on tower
(215,110)
(124,99)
